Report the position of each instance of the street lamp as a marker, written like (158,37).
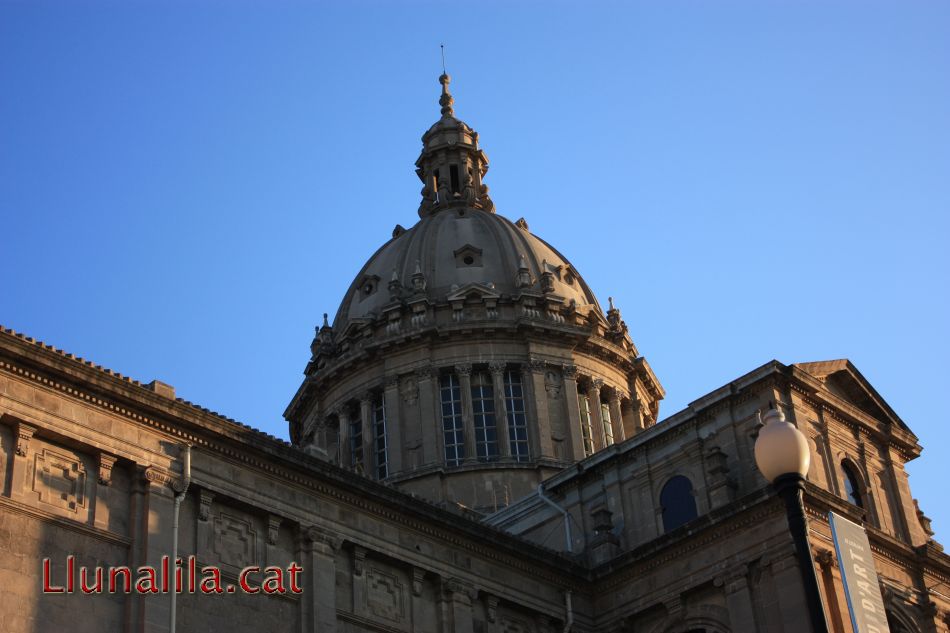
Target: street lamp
(781,453)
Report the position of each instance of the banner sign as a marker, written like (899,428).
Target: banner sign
(858,575)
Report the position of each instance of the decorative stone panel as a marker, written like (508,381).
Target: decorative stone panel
(60,480)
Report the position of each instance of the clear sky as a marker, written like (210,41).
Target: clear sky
(185,187)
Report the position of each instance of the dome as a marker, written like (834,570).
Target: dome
(452,250)
(468,360)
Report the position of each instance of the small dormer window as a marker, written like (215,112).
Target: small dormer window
(468,256)
(368,286)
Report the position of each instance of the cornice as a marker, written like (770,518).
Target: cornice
(237,442)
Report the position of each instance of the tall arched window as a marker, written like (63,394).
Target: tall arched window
(852,486)
(677,503)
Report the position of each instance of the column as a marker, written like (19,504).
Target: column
(317,546)
(430,415)
(628,417)
(366,419)
(497,370)
(596,419)
(394,443)
(616,417)
(465,382)
(569,375)
(539,401)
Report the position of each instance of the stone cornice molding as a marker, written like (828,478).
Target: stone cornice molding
(234,441)
(106,463)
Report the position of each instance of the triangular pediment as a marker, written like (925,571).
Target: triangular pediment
(482,291)
(842,379)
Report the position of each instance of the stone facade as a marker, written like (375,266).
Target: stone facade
(475,449)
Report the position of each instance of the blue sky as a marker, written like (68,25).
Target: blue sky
(186,187)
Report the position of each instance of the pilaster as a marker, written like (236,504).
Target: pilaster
(735,585)
(430,415)
(539,399)
(394,443)
(459,595)
(317,547)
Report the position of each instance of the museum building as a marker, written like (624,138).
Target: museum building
(475,448)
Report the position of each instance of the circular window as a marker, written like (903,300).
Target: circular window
(469,260)
(368,288)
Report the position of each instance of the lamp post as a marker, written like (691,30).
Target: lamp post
(781,453)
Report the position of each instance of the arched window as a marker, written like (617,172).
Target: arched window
(677,503)
(852,487)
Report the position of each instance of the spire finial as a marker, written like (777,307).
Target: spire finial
(446,99)
(442,46)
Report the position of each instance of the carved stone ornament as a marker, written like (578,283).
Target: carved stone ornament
(569,372)
(463,370)
(536,365)
(273,528)
(359,560)
(825,558)
(491,604)
(205,497)
(418,575)
(424,373)
(319,536)
(497,368)
(24,432)
(552,384)
(106,462)
(157,476)
(410,390)
(456,588)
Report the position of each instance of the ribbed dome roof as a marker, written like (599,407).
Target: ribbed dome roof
(459,239)
(458,247)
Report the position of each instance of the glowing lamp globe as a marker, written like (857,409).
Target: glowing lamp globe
(781,449)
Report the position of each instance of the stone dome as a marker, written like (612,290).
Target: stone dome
(454,249)
(468,360)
